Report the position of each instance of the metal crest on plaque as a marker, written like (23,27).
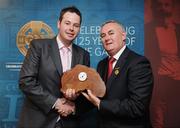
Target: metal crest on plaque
(32,30)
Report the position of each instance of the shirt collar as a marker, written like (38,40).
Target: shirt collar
(118,54)
(61,45)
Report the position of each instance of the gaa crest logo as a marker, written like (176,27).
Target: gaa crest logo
(32,30)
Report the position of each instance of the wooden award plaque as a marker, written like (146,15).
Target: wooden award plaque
(82,78)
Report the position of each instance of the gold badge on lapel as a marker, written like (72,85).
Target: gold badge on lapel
(116,72)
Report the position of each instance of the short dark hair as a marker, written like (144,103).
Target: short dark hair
(72,9)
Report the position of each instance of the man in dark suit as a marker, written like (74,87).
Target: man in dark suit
(44,64)
(128,87)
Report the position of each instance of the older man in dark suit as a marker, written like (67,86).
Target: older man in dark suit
(129,82)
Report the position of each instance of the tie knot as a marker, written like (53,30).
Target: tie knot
(111,59)
(65,49)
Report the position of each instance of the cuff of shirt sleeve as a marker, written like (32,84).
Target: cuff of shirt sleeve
(54,104)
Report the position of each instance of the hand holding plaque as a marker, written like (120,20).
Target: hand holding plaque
(82,78)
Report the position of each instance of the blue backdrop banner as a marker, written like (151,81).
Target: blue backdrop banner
(21,21)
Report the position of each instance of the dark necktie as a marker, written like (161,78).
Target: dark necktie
(110,66)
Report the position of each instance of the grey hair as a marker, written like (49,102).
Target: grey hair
(114,21)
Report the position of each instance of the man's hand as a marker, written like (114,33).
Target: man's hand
(71,94)
(92,98)
(64,107)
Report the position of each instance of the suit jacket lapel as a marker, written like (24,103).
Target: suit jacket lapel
(117,69)
(75,56)
(54,53)
(105,72)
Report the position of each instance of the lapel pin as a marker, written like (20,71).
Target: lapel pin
(116,72)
